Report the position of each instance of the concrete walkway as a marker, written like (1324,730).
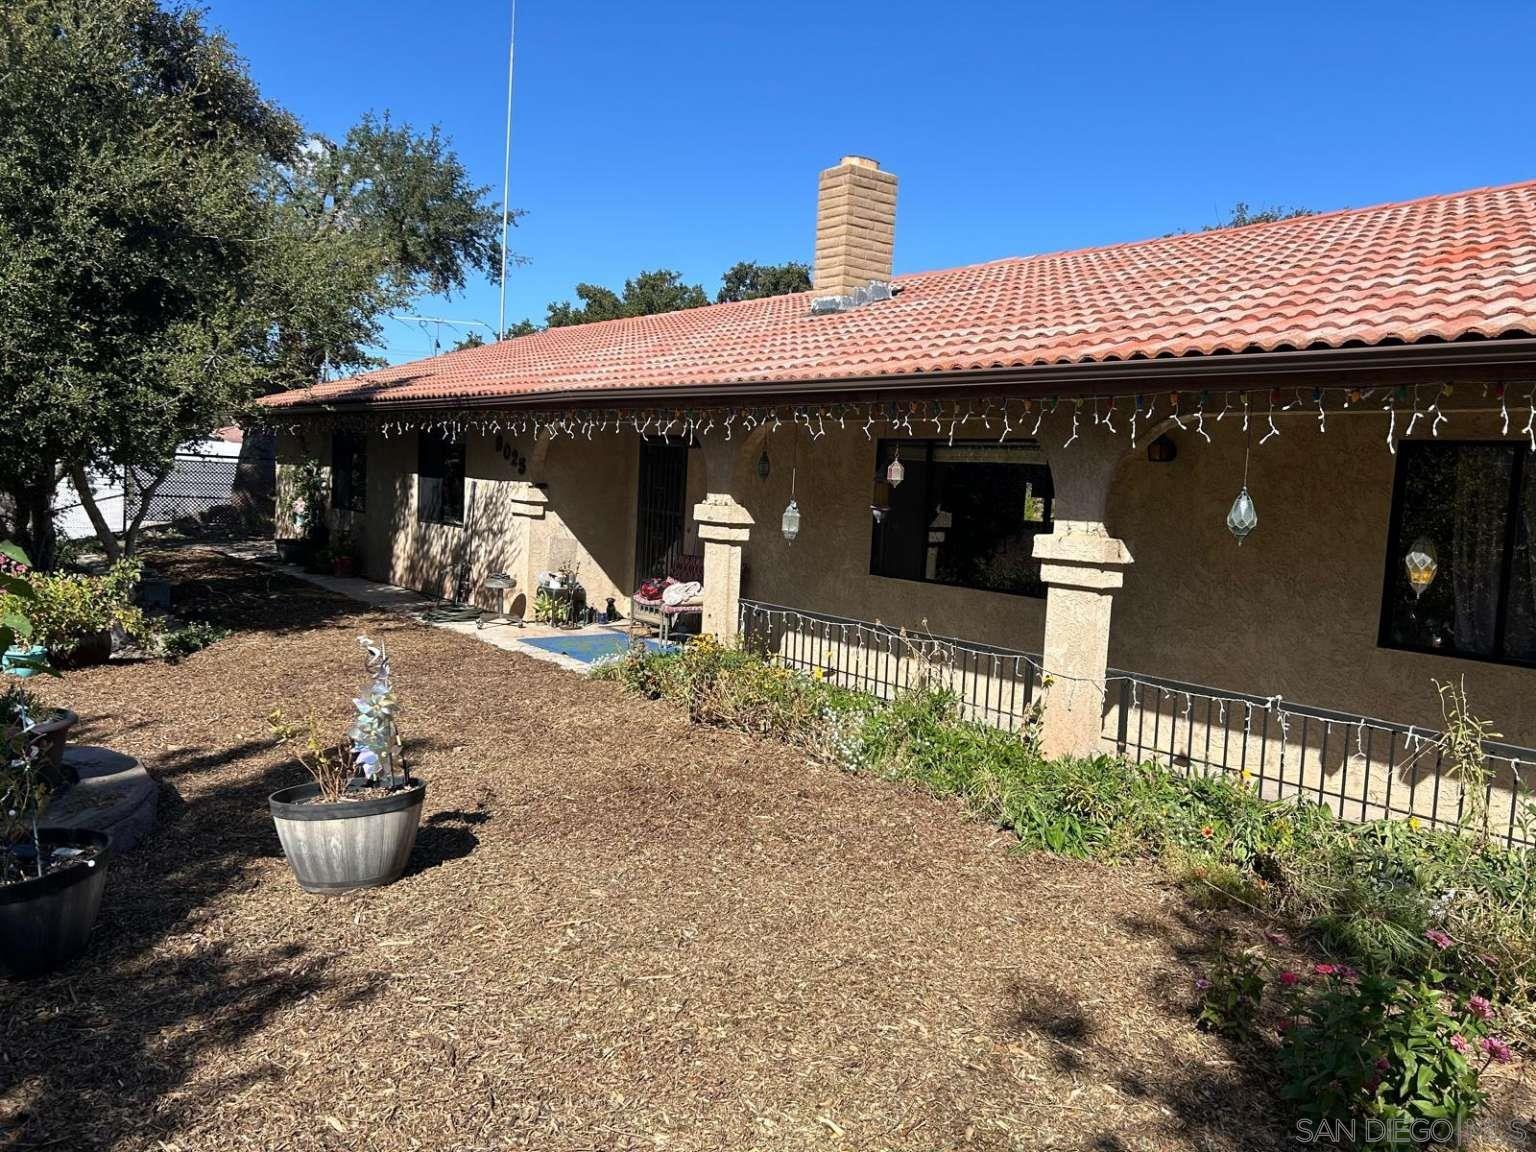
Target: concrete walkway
(391,598)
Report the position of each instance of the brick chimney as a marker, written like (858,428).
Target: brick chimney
(855,226)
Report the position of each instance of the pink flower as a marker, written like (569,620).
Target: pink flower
(1459,1042)
(1202,983)
(1284,1026)
(1480,1007)
(1348,974)
(1325,969)
(1497,1049)
(1383,1064)
(1438,938)
(1288,977)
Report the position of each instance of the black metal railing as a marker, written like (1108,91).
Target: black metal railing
(994,685)
(1359,767)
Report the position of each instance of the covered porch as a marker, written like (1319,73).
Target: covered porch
(1062,563)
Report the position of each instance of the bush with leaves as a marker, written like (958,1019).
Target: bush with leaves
(65,608)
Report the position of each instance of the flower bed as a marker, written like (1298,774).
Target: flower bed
(1422,910)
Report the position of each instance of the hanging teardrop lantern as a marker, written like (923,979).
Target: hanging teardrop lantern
(791,523)
(1244,517)
(896,472)
(1422,563)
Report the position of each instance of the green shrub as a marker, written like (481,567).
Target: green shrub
(181,642)
(65,608)
(1231,996)
(1355,1047)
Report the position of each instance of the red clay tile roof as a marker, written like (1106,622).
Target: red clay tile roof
(1436,269)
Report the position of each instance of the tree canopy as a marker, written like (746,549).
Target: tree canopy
(663,290)
(173,244)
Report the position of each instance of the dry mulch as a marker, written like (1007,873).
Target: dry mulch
(619,931)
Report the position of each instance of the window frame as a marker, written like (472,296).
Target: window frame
(1394,559)
(927,445)
(357,494)
(434,515)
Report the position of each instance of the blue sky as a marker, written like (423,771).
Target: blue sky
(689,135)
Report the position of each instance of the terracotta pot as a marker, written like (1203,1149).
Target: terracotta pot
(46,923)
(348,844)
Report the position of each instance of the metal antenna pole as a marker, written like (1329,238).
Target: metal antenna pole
(506,175)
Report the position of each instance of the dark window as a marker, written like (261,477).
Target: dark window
(965,513)
(440,477)
(349,470)
(1473,507)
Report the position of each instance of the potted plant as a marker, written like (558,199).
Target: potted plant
(343,556)
(354,824)
(49,729)
(73,616)
(50,879)
(307,513)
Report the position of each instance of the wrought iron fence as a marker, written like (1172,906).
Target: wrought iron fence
(1359,767)
(994,685)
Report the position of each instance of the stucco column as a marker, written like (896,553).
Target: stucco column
(724,527)
(527,505)
(1082,567)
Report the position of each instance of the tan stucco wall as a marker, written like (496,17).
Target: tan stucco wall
(1296,609)
(1293,611)
(827,567)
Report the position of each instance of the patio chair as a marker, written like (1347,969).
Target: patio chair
(654,611)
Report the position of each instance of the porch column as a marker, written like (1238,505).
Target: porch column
(724,527)
(527,504)
(1082,566)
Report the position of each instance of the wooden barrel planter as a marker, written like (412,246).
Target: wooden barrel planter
(45,923)
(334,847)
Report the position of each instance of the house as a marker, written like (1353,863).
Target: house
(1041,459)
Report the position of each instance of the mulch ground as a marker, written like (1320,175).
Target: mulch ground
(618,932)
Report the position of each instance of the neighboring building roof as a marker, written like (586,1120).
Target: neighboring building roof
(229,433)
(1438,269)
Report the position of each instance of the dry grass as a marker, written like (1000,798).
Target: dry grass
(619,932)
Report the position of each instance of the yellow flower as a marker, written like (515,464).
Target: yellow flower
(1413,822)
(819,674)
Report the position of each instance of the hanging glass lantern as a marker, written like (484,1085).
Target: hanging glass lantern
(1244,517)
(791,523)
(762,465)
(1422,564)
(896,472)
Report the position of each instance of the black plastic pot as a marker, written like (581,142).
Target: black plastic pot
(350,843)
(92,648)
(45,924)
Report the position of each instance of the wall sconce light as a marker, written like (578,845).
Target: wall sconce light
(1162,450)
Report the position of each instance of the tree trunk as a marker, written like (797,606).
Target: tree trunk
(146,497)
(31,514)
(82,483)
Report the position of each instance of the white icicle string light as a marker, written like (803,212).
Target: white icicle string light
(951,419)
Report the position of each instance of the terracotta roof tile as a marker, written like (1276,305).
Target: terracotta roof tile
(1442,268)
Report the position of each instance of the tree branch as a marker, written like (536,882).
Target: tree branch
(146,498)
